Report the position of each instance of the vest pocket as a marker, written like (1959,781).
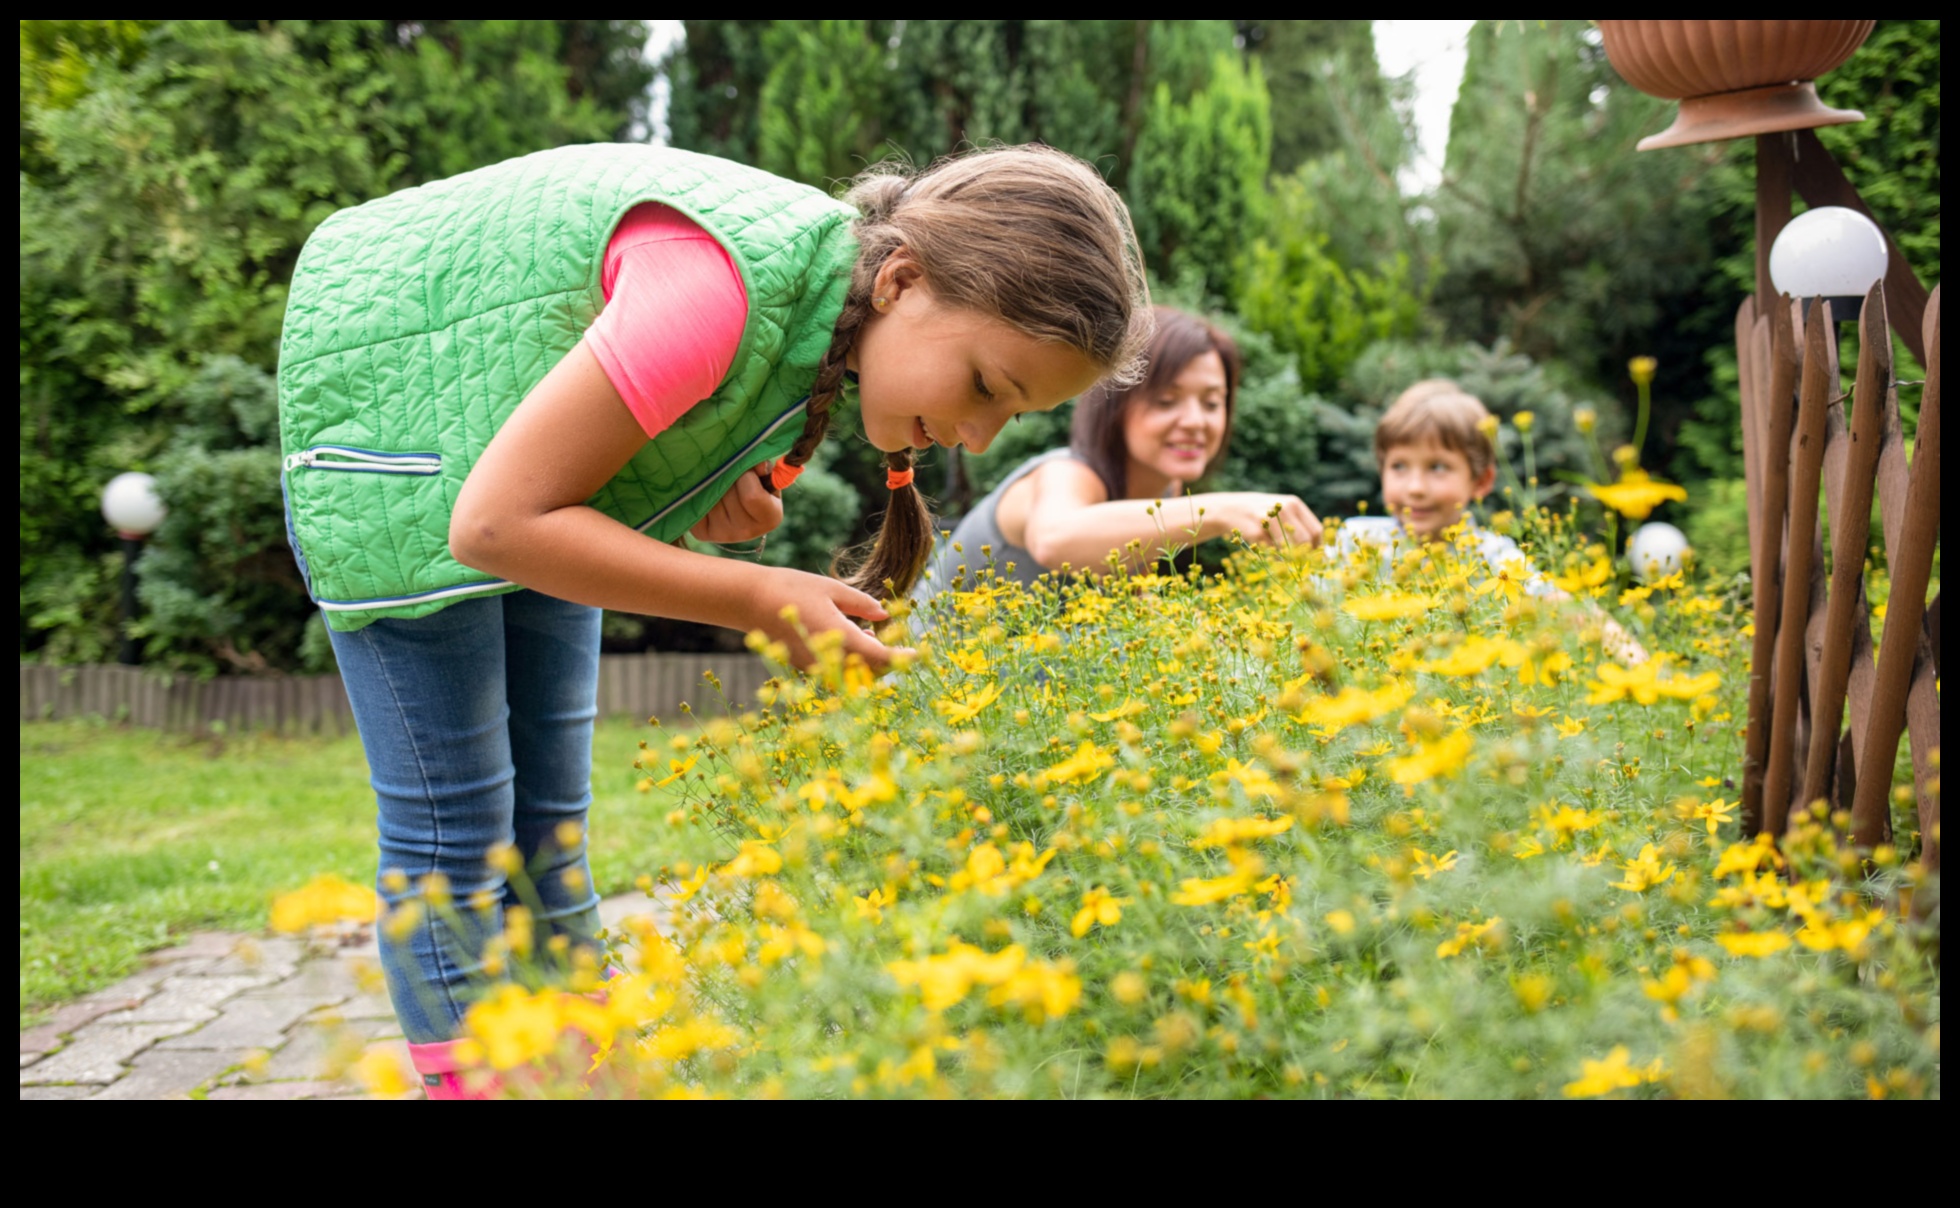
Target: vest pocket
(363,461)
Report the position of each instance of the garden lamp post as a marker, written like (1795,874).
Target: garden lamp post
(132,507)
(1829,252)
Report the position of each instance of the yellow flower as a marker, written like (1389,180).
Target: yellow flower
(871,906)
(1428,866)
(1644,871)
(1198,891)
(1571,727)
(1255,780)
(960,708)
(1614,1073)
(1820,935)
(756,859)
(1466,934)
(1585,419)
(1221,831)
(1392,606)
(514,1026)
(324,900)
(1636,495)
(1354,706)
(943,981)
(1129,708)
(1641,370)
(1098,908)
(1432,759)
(1082,767)
(1523,420)
(1043,990)
(1748,857)
(1341,922)
(677,768)
(1753,943)
(381,1072)
(1473,656)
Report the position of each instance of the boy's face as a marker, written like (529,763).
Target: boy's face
(1427,486)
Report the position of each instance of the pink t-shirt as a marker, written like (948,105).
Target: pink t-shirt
(675,309)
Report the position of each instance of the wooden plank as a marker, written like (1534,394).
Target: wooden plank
(1819,383)
(1849,492)
(1822,182)
(1779,415)
(1898,650)
(1750,390)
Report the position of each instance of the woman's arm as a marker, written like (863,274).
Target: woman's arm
(521,516)
(1069,518)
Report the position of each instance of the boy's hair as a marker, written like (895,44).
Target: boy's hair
(1028,235)
(1438,409)
(1096,432)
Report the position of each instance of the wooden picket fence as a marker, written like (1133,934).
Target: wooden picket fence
(635,685)
(1813,652)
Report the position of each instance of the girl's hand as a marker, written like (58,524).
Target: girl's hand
(823,605)
(1251,513)
(746,512)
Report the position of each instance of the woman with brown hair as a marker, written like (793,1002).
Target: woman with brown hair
(1121,486)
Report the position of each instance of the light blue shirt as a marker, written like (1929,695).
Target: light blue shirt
(1500,553)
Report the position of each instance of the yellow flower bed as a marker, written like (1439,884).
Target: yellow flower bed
(1298,829)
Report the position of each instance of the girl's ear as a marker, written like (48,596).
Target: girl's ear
(1485,481)
(899,273)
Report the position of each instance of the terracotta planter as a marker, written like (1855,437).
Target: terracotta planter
(1733,78)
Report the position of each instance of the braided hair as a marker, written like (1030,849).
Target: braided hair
(1029,235)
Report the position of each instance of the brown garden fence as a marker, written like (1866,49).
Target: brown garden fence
(1826,710)
(636,685)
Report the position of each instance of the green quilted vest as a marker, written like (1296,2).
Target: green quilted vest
(417,322)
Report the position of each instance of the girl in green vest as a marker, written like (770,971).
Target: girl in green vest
(504,397)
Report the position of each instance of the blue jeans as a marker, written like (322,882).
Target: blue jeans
(477,722)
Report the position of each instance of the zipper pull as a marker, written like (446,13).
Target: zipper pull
(302,458)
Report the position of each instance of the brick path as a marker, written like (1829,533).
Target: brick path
(226,1016)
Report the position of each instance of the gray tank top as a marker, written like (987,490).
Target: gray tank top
(981,529)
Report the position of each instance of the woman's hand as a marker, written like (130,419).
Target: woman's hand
(822,605)
(1259,517)
(746,512)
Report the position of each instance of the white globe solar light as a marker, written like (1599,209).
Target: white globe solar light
(1657,550)
(131,505)
(1832,253)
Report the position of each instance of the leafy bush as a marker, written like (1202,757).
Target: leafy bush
(1375,829)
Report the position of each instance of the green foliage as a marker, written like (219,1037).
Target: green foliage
(821,100)
(1309,66)
(1313,307)
(169,174)
(1716,524)
(1197,183)
(1555,234)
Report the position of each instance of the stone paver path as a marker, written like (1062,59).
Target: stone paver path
(225,1016)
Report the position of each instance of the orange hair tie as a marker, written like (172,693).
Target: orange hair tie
(898,478)
(782,474)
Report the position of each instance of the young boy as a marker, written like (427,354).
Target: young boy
(1436,460)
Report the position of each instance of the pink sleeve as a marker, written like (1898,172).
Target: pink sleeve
(675,309)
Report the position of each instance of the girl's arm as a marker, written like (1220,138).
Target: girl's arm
(1071,519)
(521,516)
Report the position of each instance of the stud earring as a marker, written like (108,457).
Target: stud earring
(880,303)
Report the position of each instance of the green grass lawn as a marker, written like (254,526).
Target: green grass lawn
(129,838)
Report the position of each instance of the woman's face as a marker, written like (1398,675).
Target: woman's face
(1174,431)
(931,373)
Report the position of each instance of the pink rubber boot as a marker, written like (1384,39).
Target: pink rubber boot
(442,1075)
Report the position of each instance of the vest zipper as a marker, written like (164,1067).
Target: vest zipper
(340,457)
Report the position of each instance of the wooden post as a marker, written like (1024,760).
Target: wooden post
(1850,532)
(1912,565)
(1775,463)
(1807,458)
